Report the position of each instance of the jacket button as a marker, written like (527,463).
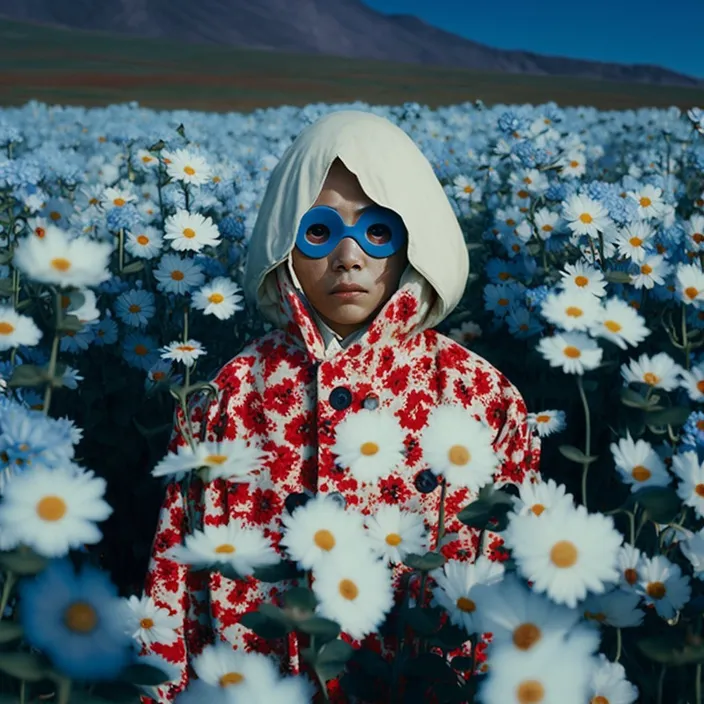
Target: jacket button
(338,498)
(340,398)
(426,481)
(296,500)
(371,403)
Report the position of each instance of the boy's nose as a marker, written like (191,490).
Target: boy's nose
(348,253)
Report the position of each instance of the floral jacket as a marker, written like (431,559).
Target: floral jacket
(285,394)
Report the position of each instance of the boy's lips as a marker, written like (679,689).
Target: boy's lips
(348,288)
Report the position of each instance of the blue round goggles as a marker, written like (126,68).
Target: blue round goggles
(380,232)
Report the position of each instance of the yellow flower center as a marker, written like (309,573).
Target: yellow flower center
(348,589)
(80,617)
(468,189)
(691,292)
(530,692)
(699,490)
(51,508)
(599,700)
(656,590)
(466,605)
(650,378)
(574,164)
(54,215)
(564,554)
(225,549)
(143,239)
(542,418)
(586,218)
(503,301)
(369,448)
(459,455)
(146,158)
(646,269)
(189,170)
(119,202)
(231,678)
(630,575)
(700,386)
(645,202)
(61,264)
(146,623)
(572,352)
(177,275)
(526,636)
(324,539)
(189,233)
(134,308)
(641,473)
(6,328)
(141,350)
(574,312)
(216,298)
(523,194)
(635,241)
(393,539)
(598,617)
(581,281)
(612,326)
(215,459)
(537,509)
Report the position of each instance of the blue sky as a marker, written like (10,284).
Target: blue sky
(668,34)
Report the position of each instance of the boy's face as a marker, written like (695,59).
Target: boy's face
(348,263)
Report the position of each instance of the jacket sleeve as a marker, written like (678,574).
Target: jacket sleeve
(168,583)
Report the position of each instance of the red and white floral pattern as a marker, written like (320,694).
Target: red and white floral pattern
(276,394)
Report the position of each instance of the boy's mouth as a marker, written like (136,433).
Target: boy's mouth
(348,288)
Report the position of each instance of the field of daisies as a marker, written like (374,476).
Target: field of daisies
(123,233)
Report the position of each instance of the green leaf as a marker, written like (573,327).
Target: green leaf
(144,675)
(617,277)
(372,663)
(227,570)
(10,631)
(27,375)
(319,627)
(278,573)
(23,562)
(263,626)
(6,257)
(423,621)
(274,613)
(70,323)
(575,454)
(675,416)
(133,267)
(23,666)
(670,649)
(332,658)
(301,599)
(661,502)
(425,563)
(489,510)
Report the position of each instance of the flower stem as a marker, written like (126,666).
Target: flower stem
(10,580)
(441,515)
(619,645)
(685,340)
(587,438)
(51,370)
(661,682)
(120,250)
(698,684)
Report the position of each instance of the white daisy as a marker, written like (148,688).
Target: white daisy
(659,371)
(693,381)
(566,552)
(145,160)
(632,240)
(514,615)
(583,277)
(538,497)
(177,275)
(651,271)
(546,422)
(693,549)
(573,351)
(467,189)
(319,528)
(689,284)
(186,352)
(455,584)
(53,510)
(585,216)
(188,167)
(353,589)
(190,231)
(466,333)
(242,548)
(369,444)
(690,472)
(458,447)
(394,533)
(149,623)
(649,200)
(694,230)
(630,565)
(116,198)
(233,460)
(620,323)
(546,223)
(221,298)
(61,260)
(145,243)
(617,608)
(82,304)
(571,310)
(638,464)
(16,329)
(531,676)
(573,164)
(609,685)
(663,586)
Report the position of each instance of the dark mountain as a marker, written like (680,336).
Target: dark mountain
(326,27)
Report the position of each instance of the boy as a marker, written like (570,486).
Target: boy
(355,256)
